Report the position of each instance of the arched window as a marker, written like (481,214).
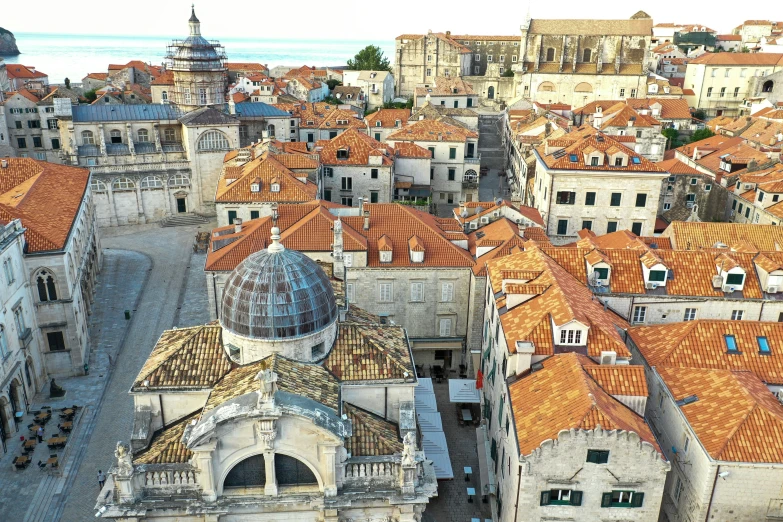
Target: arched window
(491,93)
(292,472)
(583,87)
(115,136)
(123,184)
(97,185)
(88,138)
(3,342)
(249,473)
(179,180)
(47,290)
(550,54)
(768,85)
(213,140)
(143,136)
(271,130)
(164,96)
(586,55)
(151,182)
(546,87)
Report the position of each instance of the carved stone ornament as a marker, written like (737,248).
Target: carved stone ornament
(267,432)
(124,462)
(409,449)
(268,381)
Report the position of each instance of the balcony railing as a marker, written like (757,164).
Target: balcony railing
(473,161)
(372,472)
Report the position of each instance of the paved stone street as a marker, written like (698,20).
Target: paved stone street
(451,504)
(152,272)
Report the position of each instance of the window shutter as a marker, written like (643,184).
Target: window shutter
(576,498)
(500,412)
(606,499)
(493,451)
(545,498)
(637,500)
(591,456)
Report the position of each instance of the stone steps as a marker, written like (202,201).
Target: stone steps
(183,220)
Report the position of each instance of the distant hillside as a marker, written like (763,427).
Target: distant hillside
(7,43)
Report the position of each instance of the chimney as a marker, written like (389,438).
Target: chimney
(232,108)
(4,163)
(361,205)
(366,220)
(237,225)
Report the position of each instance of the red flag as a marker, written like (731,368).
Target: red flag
(479,380)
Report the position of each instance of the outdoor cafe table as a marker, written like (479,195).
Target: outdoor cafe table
(56,441)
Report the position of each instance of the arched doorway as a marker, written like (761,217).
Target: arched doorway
(6,427)
(491,93)
(768,86)
(249,473)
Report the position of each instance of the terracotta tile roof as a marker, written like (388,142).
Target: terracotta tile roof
(371,352)
(702,344)
(360,148)
(571,259)
(566,300)
(245,66)
(562,396)
(584,141)
(265,170)
(408,149)
(98,76)
(623,115)
(620,239)
(489,207)
(27,189)
(446,86)
(675,166)
(431,131)
(618,379)
(296,161)
(342,119)
(166,446)
(559,26)
(739,59)
(687,235)
(536,234)
(185,358)
(729,37)
(400,223)
(387,118)
(764,133)
(308,380)
(17,70)
(371,435)
(735,417)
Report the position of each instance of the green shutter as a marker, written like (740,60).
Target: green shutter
(545,498)
(576,498)
(491,376)
(493,451)
(592,456)
(637,499)
(488,351)
(500,412)
(606,499)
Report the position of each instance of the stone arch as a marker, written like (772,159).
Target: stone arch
(151,182)
(768,86)
(307,463)
(583,87)
(88,138)
(248,472)
(5,418)
(45,284)
(547,87)
(550,54)
(123,184)
(213,140)
(17,396)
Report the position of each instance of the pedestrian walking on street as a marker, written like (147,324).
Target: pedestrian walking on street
(101,479)
(40,433)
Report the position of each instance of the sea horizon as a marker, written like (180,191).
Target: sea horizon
(73,56)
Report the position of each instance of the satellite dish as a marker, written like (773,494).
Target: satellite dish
(479,209)
(499,201)
(464,214)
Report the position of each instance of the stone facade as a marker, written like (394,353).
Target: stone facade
(346,184)
(31,128)
(422,58)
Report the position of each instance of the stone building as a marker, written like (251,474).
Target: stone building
(377,86)
(587,179)
(62,258)
(23,373)
(621,119)
(755,197)
(446,92)
(579,61)
(406,266)
(560,403)
(455,158)
(31,126)
(421,58)
(702,413)
(279,421)
(383,122)
(320,121)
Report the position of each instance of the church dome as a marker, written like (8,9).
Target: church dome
(277,294)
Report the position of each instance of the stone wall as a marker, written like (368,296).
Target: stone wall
(710,200)
(362,183)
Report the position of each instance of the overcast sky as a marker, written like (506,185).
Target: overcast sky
(358,20)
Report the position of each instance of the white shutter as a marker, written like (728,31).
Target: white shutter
(385,294)
(447,292)
(445,327)
(348,260)
(417,289)
(349,292)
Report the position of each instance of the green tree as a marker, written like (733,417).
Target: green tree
(370,58)
(699,114)
(90,95)
(701,134)
(508,73)
(333,83)
(67,83)
(673,138)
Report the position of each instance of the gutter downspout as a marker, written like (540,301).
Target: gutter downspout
(712,494)
(519,488)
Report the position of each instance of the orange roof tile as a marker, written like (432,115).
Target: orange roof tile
(431,130)
(563,395)
(388,118)
(686,235)
(675,166)
(619,380)
(406,149)
(360,148)
(268,170)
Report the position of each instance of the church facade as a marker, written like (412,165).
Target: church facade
(294,406)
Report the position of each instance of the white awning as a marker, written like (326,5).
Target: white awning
(486,472)
(425,383)
(430,421)
(425,400)
(463,390)
(435,449)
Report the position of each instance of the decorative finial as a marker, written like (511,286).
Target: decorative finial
(276,245)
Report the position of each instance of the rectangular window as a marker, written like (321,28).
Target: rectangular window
(690,314)
(722,92)
(639,314)
(736,315)
(601,273)
(678,489)
(254,214)
(385,292)
(615,200)
(622,93)
(429,71)
(667,206)
(328,194)
(374,196)
(452,174)
(489,57)
(445,327)
(641,200)
(594,161)
(55,144)
(37,142)
(611,226)
(346,183)
(590,199)
(587,225)
(432,151)
(349,292)
(598,456)
(18,124)
(478,57)
(452,153)
(202,96)
(33,124)
(735,279)
(636,227)
(657,276)
(348,202)
(562,227)
(731,342)
(631,499)
(21,143)
(561,497)
(232,215)
(736,91)
(565,198)
(21,326)
(56,341)
(709,92)
(417,292)
(763,345)
(447,292)
(374,173)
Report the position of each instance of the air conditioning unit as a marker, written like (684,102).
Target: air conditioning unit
(651,286)
(473,225)
(484,220)
(717,281)
(608,358)
(772,289)
(729,289)
(779,395)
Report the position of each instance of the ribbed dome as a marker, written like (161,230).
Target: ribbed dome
(277,294)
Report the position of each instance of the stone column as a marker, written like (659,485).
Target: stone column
(113,217)
(156,131)
(140,203)
(167,193)
(202,458)
(270,488)
(330,483)
(102,139)
(131,146)
(330,515)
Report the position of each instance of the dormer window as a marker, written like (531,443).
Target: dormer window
(385,249)
(735,279)
(594,161)
(378,123)
(310,122)
(342,153)
(416,249)
(255,186)
(397,123)
(657,276)
(342,122)
(570,337)
(274,186)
